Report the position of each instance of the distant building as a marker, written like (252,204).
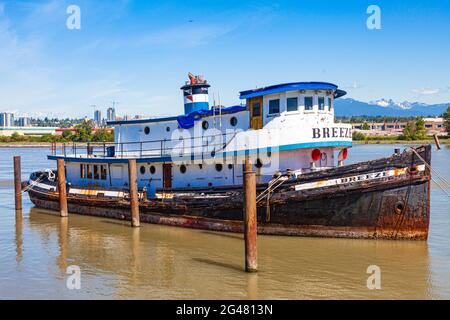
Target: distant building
(432,126)
(23,122)
(111,114)
(6,119)
(27,131)
(98,117)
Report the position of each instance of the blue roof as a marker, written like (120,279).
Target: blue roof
(291,87)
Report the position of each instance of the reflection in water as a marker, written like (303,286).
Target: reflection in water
(19,238)
(166,262)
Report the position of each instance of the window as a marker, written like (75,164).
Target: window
(167,129)
(183,168)
(274,106)
(89,171)
(308,103)
(329,104)
(205,125)
(103,172)
(219,167)
(230,166)
(321,103)
(142,169)
(292,104)
(96,173)
(82,171)
(146,130)
(152,169)
(256,109)
(259,163)
(233,121)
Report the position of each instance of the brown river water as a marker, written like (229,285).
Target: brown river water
(161,262)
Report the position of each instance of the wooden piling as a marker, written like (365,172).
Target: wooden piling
(134,200)
(436,140)
(250,223)
(17,183)
(62,188)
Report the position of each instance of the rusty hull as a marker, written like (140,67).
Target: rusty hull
(391,208)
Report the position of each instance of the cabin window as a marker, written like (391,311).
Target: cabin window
(308,103)
(167,129)
(147,130)
(152,169)
(274,106)
(292,104)
(256,109)
(82,171)
(219,167)
(205,125)
(103,172)
(233,121)
(321,103)
(183,168)
(142,169)
(329,104)
(89,171)
(96,173)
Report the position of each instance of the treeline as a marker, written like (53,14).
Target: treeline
(83,133)
(378,119)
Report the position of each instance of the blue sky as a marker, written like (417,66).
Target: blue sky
(138,53)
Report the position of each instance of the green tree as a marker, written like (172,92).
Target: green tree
(83,131)
(66,135)
(365,126)
(421,132)
(102,135)
(358,136)
(414,130)
(446,117)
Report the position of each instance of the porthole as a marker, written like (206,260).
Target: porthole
(219,167)
(233,121)
(200,166)
(205,125)
(142,169)
(183,168)
(167,129)
(269,153)
(258,164)
(209,184)
(147,130)
(152,169)
(230,166)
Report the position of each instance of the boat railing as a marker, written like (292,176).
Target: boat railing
(182,147)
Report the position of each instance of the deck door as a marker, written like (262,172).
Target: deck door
(167,175)
(256,112)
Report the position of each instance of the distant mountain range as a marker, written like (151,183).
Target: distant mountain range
(388,108)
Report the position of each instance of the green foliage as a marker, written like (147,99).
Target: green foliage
(446,117)
(414,130)
(83,131)
(365,126)
(102,135)
(358,136)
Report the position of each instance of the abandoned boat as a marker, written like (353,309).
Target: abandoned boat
(190,169)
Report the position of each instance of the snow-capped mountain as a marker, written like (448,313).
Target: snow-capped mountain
(387,107)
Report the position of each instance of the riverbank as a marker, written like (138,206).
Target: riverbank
(409,142)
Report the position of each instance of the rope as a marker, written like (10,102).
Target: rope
(443,180)
(30,186)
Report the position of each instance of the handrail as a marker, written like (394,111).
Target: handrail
(147,149)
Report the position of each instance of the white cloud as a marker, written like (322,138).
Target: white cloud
(426,91)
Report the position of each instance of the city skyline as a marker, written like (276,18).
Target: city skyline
(126,51)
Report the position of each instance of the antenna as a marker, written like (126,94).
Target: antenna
(220,111)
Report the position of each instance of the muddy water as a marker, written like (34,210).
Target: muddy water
(159,262)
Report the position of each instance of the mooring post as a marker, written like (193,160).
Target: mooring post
(62,188)
(17,183)
(250,227)
(134,201)
(436,140)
